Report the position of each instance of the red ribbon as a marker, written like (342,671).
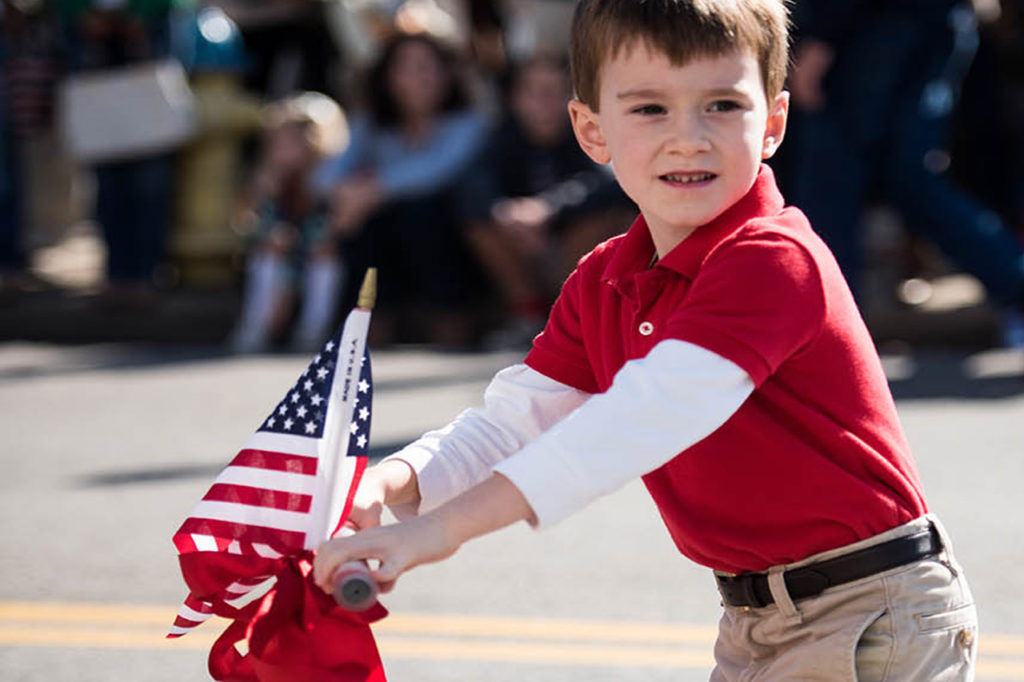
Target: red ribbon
(299,634)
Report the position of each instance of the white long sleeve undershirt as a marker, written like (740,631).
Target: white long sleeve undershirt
(563,448)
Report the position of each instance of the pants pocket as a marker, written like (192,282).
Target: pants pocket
(874,648)
(947,643)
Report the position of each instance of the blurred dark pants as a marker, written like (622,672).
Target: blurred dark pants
(11,254)
(890,97)
(133,198)
(133,208)
(416,245)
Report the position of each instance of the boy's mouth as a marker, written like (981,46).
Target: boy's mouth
(687,178)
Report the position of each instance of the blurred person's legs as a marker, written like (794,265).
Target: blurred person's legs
(415,245)
(517,275)
(917,181)
(839,145)
(322,280)
(133,202)
(265,300)
(890,97)
(12,258)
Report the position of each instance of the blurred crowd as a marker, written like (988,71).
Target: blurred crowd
(281,147)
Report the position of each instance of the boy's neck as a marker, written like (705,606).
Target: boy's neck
(666,238)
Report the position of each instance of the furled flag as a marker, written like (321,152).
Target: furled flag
(245,550)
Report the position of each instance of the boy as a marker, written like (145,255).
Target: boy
(719,330)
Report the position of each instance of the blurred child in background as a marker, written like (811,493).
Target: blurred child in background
(295,254)
(391,191)
(534,202)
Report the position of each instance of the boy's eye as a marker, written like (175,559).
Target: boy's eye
(649,110)
(724,105)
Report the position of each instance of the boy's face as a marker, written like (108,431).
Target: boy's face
(685,141)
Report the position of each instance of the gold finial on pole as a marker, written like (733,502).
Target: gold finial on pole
(368,292)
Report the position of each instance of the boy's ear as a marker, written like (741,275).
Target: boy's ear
(587,127)
(775,129)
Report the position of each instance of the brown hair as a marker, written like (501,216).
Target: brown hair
(682,30)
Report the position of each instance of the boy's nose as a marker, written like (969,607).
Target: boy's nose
(687,137)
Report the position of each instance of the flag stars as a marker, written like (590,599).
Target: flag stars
(308,385)
(353,428)
(316,400)
(271,422)
(310,427)
(364,414)
(361,441)
(301,412)
(283,410)
(288,423)
(322,373)
(316,360)
(363,386)
(295,397)
(329,347)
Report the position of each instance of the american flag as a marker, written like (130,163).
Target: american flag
(287,490)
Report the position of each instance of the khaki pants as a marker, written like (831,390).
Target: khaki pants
(915,623)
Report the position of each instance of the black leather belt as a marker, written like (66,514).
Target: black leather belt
(751,589)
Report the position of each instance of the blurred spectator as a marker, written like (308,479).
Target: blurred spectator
(294,252)
(133,198)
(988,149)
(290,46)
(534,202)
(12,260)
(876,84)
(391,191)
(29,55)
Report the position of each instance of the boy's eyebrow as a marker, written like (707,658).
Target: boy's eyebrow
(653,93)
(640,93)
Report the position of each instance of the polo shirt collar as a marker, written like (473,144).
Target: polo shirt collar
(637,248)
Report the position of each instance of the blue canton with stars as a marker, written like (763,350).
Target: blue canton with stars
(359,428)
(303,410)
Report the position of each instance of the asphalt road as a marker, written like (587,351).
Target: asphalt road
(106,448)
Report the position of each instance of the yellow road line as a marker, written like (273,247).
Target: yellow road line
(435,624)
(437,649)
(432,637)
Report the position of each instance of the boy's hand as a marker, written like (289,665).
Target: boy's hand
(368,503)
(491,505)
(397,547)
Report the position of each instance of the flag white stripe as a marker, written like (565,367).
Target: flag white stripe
(270,479)
(249,515)
(205,543)
(191,614)
(251,594)
(279,442)
(266,551)
(178,630)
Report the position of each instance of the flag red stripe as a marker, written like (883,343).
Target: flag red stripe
(352,487)
(278,461)
(259,497)
(284,541)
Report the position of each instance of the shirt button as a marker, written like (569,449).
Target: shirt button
(646,328)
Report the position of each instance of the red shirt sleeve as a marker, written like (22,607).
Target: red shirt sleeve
(558,352)
(757,301)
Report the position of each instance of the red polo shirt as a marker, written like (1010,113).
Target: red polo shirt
(815,458)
